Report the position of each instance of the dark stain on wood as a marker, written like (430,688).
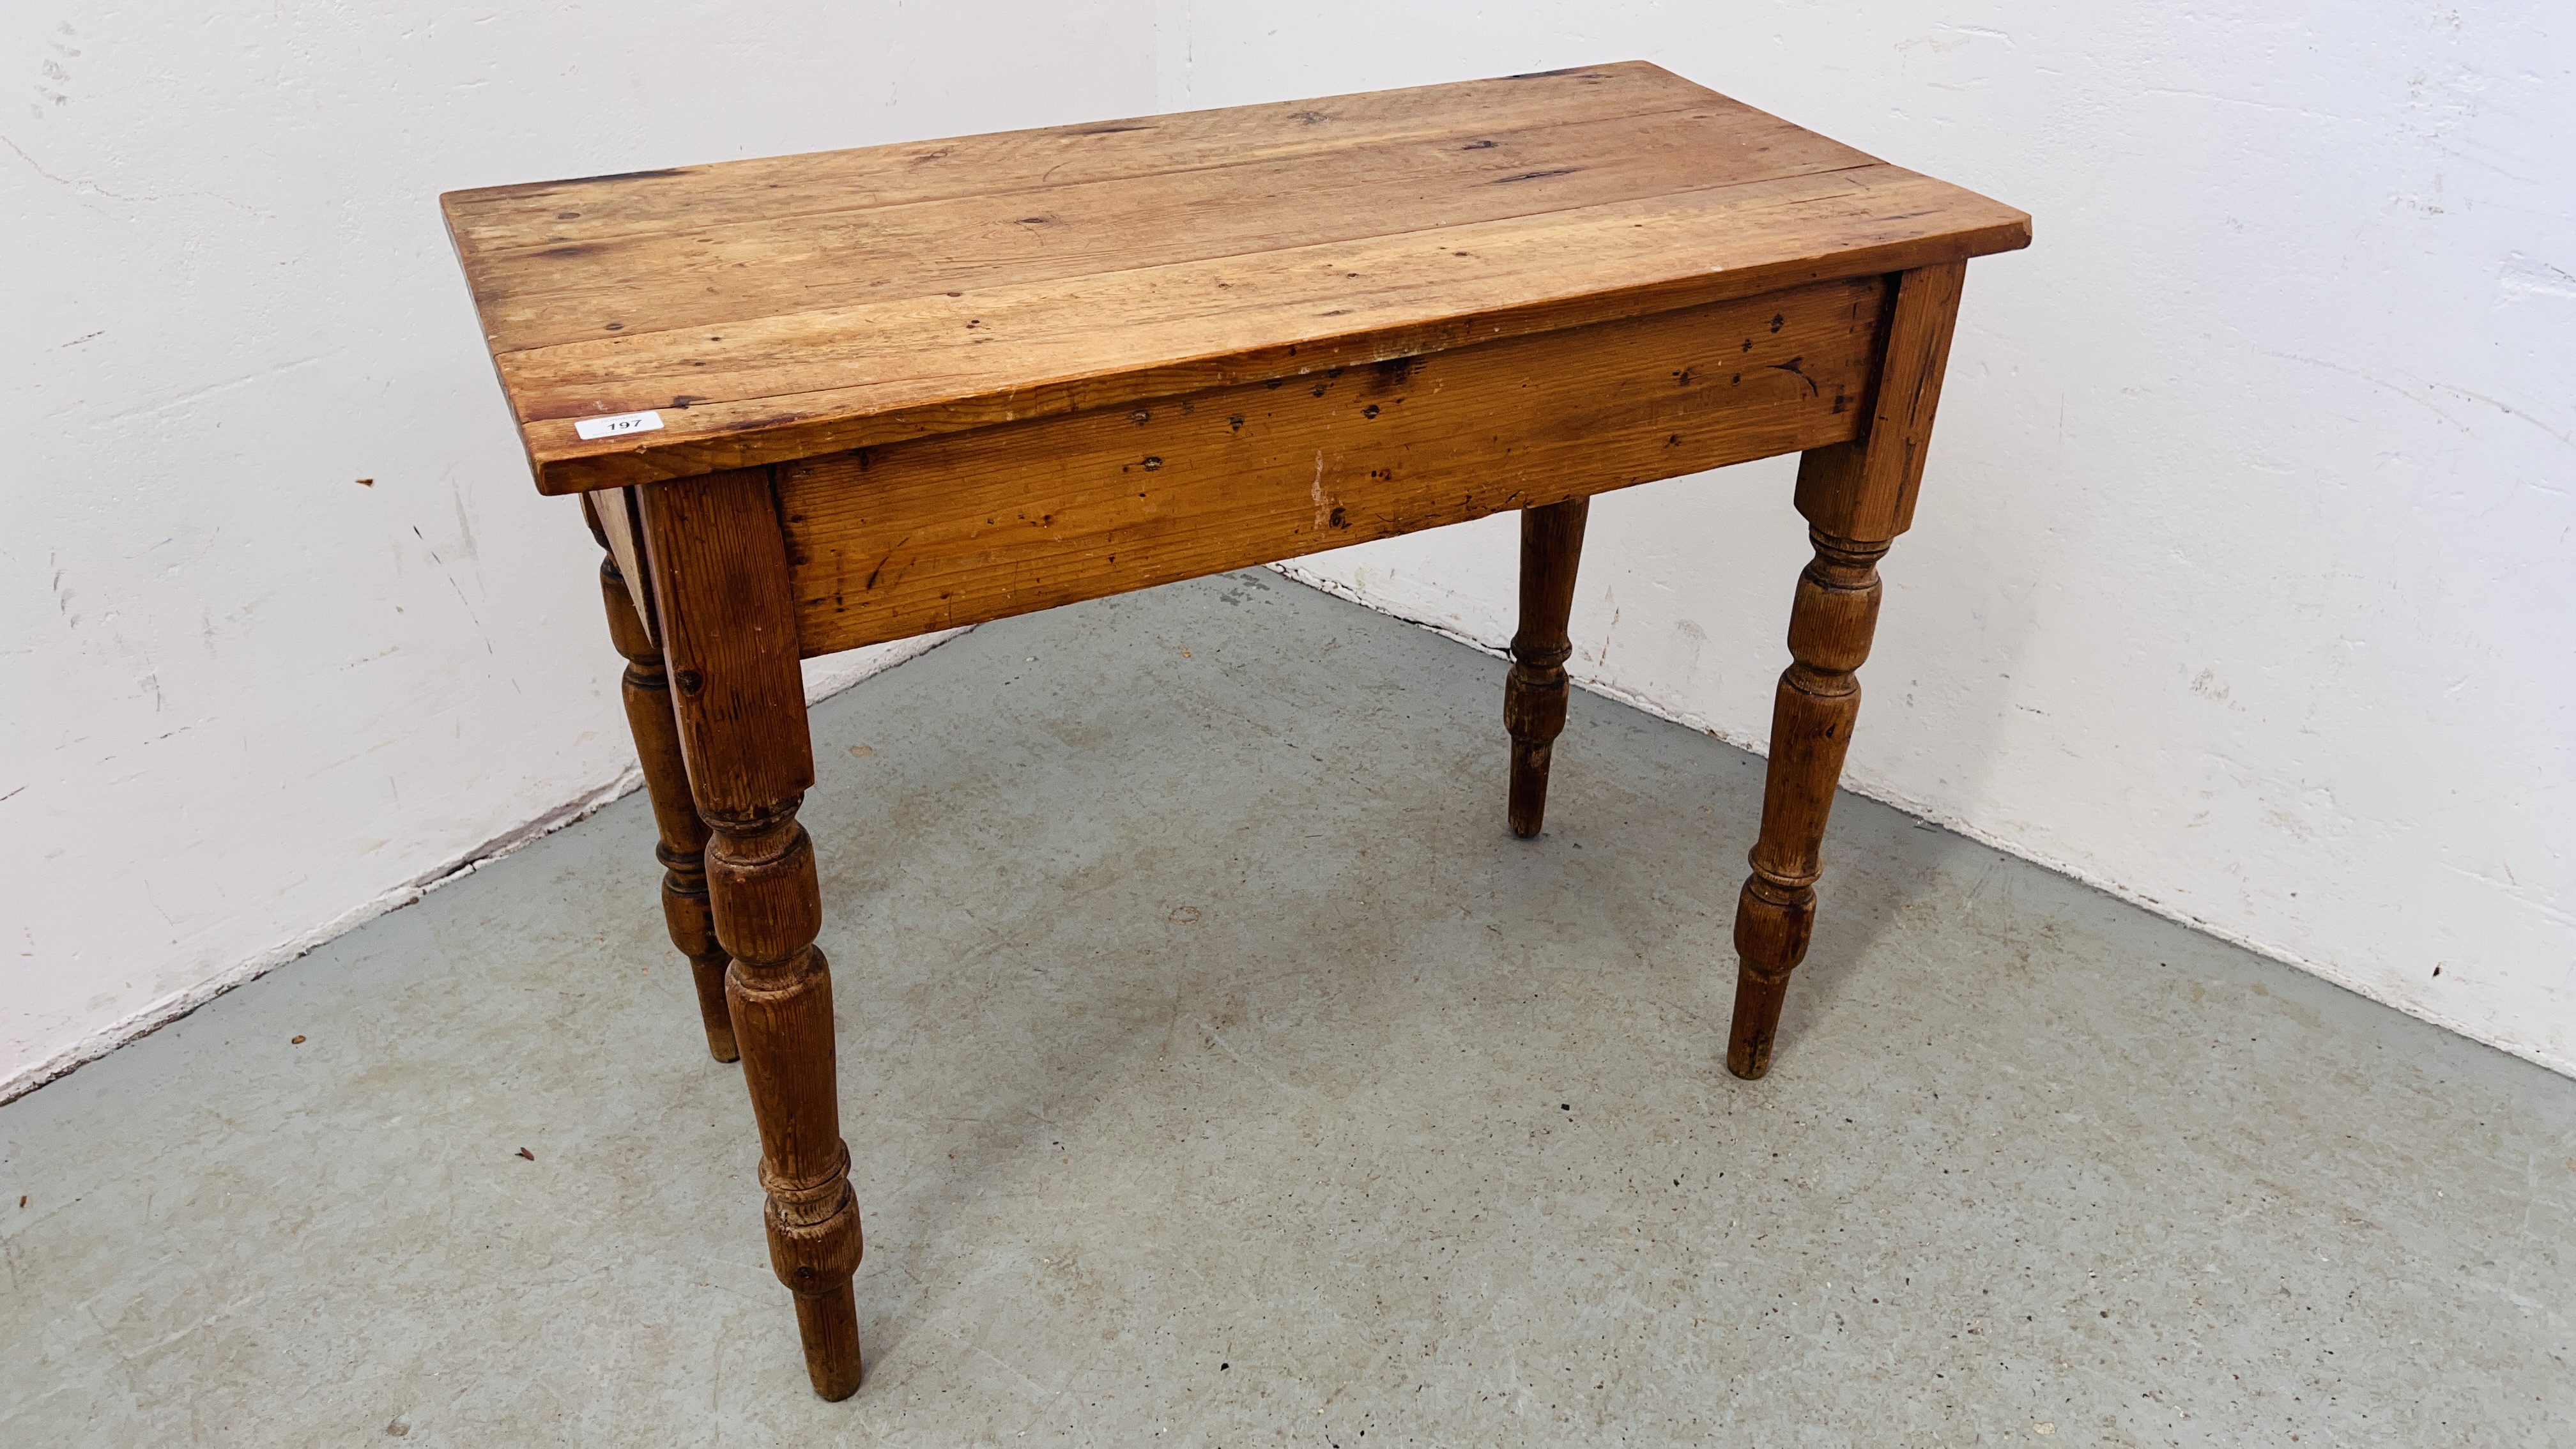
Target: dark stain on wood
(1792,367)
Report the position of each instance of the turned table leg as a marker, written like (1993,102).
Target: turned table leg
(1812,713)
(682,852)
(720,580)
(1534,694)
(1857,497)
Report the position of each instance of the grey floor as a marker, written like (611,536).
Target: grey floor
(1218,1071)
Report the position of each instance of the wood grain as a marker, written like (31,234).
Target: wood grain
(1866,489)
(813,383)
(497,219)
(732,658)
(713,275)
(814,304)
(901,540)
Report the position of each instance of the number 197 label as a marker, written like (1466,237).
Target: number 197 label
(617,425)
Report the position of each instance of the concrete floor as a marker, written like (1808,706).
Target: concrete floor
(1216,1068)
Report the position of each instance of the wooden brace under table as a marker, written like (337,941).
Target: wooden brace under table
(821,401)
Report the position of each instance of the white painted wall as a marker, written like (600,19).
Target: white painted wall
(2243,586)
(2245,578)
(245,702)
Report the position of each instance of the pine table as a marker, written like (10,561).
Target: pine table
(815,402)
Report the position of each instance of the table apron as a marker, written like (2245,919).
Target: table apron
(906,538)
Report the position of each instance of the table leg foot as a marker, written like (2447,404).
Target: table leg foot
(815,1246)
(829,1321)
(1534,694)
(1772,924)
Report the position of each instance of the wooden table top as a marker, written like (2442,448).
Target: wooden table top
(778,309)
